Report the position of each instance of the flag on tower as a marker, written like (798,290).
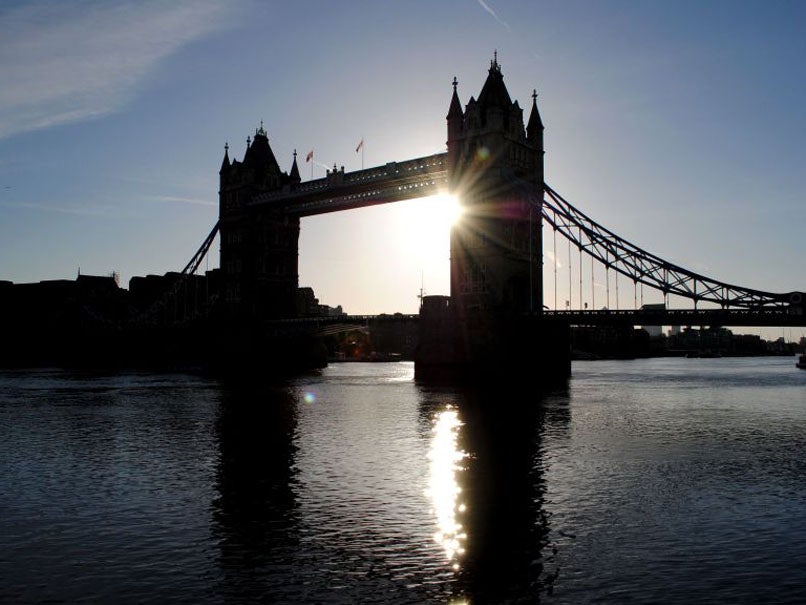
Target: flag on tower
(309,157)
(360,145)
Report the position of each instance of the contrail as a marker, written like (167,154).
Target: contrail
(182,200)
(486,7)
(100,211)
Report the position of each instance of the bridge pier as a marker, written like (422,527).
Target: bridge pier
(516,349)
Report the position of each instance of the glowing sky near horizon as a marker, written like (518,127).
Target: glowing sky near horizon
(678,125)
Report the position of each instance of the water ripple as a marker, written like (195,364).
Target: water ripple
(666,480)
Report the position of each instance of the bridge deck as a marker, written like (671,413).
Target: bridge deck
(773,317)
(393,182)
(768,317)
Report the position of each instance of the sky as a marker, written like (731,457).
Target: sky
(678,125)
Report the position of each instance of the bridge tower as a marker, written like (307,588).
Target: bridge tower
(259,248)
(495,166)
(493,325)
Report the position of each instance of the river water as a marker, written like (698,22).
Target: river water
(661,480)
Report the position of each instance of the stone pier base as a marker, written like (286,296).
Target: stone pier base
(523,349)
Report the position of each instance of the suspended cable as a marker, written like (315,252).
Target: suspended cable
(593,292)
(570,277)
(607,280)
(555,269)
(580,269)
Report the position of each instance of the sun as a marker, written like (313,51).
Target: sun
(446,208)
(427,223)
(431,217)
(422,229)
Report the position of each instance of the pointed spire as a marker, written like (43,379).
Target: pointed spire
(534,129)
(494,92)
(455,110)
(225,164)
(294,175)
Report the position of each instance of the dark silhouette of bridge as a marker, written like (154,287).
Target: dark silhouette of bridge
(495,166)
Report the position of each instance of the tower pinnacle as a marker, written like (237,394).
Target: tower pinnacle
(294,174)
(225,163)
(455,110)
(534,129)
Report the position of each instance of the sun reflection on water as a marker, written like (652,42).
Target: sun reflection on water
(443,490)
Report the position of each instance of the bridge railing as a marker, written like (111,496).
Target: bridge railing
(768,316)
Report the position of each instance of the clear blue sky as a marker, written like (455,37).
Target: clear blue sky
(679,125)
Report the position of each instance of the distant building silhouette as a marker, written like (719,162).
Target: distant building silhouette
(61,321)
(654,331)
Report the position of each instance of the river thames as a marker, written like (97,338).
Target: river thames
(647,481)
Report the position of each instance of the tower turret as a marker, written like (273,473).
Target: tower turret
(293,176)
(455,116)
(225,162)
(534,130)
(223,173)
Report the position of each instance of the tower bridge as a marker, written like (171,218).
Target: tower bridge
(495,314)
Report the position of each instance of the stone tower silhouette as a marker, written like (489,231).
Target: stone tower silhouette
(258,247)
(492,326)
(495,166)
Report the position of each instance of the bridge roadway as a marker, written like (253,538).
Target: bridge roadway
(767,317)
(393,182)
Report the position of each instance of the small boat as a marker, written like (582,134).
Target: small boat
(801,363)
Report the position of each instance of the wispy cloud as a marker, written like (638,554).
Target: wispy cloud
(555,261)
(495,16)
(65,62)
(182,200)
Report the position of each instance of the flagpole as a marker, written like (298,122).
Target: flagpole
(362,152)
